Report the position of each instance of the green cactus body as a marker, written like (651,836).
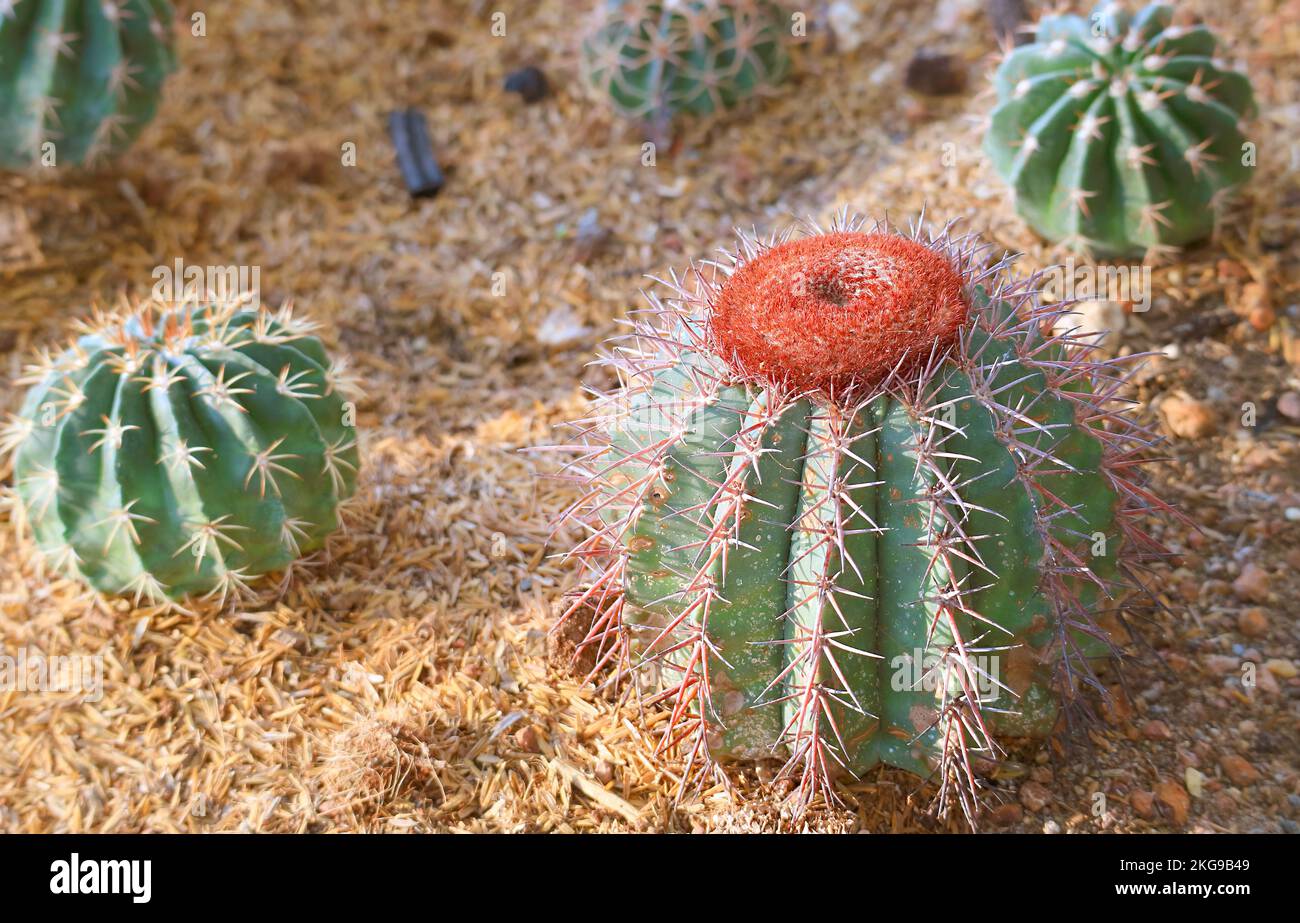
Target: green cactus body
(182,452)
(85,76)
(894,573)
(655,60)
(1119,134)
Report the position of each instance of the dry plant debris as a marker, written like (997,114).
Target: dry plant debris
(402,683)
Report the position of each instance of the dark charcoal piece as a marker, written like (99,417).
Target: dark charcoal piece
(1006,17)
(410,134)
(528,82)
(935,74)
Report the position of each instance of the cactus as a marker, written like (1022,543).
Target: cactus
(1120,135)
(86,76)
(855,506)
(176,450)
(656,59)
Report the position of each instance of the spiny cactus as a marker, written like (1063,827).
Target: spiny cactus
(86,76)
(857,506)
(183,449)
(1119,134)
(657,59)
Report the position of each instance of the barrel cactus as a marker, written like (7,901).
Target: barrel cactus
(1120,134)
(85,77)
(177,450)
(854,504)
(656,59)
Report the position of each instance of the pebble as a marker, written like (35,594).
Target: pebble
(1188,418)
(529,82)
(1256,305)
(1238,770)
(604,771)
(1253,622)
(1288,404)
(1222,663)
(1051,827)
(526,739)
(1087,319)
(1034,795)
(1157,730)
(847,24)
(1282,669)
(1252,584)
(1144,804)
(935,74)
(1195,781)
(1174,798)
(1006,815)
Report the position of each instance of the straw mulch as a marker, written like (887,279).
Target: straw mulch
(402,682)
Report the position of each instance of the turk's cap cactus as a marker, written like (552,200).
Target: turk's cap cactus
(834,455)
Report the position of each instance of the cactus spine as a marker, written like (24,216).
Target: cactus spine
(84,76)
(657,59)
(180,450)
(1119,134)
(858,507)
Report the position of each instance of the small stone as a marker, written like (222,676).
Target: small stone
(1157,730)
(604,771)
(1042,774)
(590,237)
(1253,622)
(1006,815)
(1144,804)
(1034,795)
(1195,781)
(1256,305)
(848,25)
(529,82)
(1288,404)
(1174,800)
(526,739)
(1051,827)
(1238,770)
(1282,669)
(1188,418)
(1252,584)
(935,74)
(1099,321)
(1222,663)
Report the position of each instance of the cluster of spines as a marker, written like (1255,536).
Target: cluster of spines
(131,87)
(673,334)
(131,343)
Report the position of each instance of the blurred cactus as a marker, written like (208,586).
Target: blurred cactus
(179,450)
(657,59)
(83,75)
(1119,133)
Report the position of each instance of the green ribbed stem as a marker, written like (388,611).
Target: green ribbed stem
(185,463)
(655,60)
(839,523)
(1119,138)
(75,74)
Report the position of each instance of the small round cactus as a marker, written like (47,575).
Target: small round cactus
(1120,134)
(177,450)
(858,507)
(656,59)
(79,80)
